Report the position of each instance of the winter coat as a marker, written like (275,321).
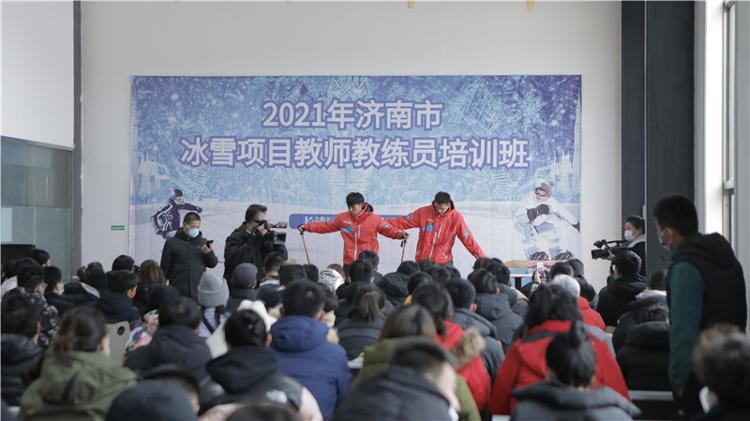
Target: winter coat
(590,316)
(617,295)
(50,319)
(395,287)
(183,262)
(208,321)
(303,353)
(238,295)
(117,307)
(552,400)
(493,352)
(75,386)
(526,364)
(399,393)
(360,233)
(633,312)
(80,293)
(377,359)
(644,359)
(142,299)
(172,344)
(356,333)
(248,372)
(496,309)
(437,233)
(242,247)
(20,355)
(58,302)
(467,347)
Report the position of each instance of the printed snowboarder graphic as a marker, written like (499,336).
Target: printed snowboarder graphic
(541,218)
(167,220)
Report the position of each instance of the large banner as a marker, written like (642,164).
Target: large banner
(507,148)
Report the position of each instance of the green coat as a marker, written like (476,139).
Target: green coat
(75,386)
(378,357)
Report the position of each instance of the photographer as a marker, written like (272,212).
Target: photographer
(252,241)
(635,233)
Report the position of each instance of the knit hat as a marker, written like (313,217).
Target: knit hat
(138,402)
(244,275)
(330,279)
(212,290)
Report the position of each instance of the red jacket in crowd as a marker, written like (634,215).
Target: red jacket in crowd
(359,232)
(526,364)
(437,233)
(590,316)
(467,347)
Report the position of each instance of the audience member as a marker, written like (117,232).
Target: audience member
(116,302)
(54,290)
(142,335)
(78,379)
(622,287)
(242,286)
(86,290)
(654,294)
(21,321)
(644,357)
(123,262)
(149,275)
(213,295)
(31,284)
(494,306)
(365,321)
(151,400)
(590,316)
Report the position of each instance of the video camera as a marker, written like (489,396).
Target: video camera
(603,248)
(275,235)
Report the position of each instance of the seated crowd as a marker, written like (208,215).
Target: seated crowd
(423,342)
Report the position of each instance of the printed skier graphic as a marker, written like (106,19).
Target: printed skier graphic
(167,220)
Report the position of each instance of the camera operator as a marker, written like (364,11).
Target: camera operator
(635,233)
(252,241)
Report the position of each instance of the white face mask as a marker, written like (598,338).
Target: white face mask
(193,232)
(628,235)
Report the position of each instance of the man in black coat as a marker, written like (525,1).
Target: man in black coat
(622,288)
(418,385)
(186,256)
(20,354)
(251,242)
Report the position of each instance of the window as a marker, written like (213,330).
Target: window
(730,132)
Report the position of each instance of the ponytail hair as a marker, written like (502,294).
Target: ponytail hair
(82,329)
(571,357)
(369,302)
(245,327)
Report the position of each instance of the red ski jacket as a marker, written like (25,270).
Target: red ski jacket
(526,364)
(437,233)
(590,316)
(359,232)
(467,347)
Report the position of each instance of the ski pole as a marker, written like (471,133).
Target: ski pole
(304,243)
(403,249)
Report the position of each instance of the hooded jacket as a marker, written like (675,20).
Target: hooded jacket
(183,262)
(58,301)
(242,247)
(466,348)
(617,295)
(644,359)
(75,386)
(633,311)
(360,233)
(437,233)
(356,333)
(377,359)
(303,353)
(493,352)
(172,344)
(238,295)
(496,309)
(80,293)
(395,287)
(117,307)
(526,364)
(553,400)
(20,355)
(399,393)
(590,316)
(249,372)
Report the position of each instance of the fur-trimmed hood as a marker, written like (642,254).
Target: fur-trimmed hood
(465,346)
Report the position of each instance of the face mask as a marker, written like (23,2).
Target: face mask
(666,247)
(193,232)
(628,235)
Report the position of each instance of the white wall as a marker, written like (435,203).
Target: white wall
(37,68)
(124,39)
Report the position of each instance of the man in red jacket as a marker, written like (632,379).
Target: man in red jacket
(439,224)
(359,227)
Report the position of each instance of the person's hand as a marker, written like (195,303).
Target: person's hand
(301,229)
(543,209)
(406,235)
(610,256)
(531,214)
(207,248)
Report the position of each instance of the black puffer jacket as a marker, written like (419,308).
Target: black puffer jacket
(242,247)
(644,359)
(356,333)
(20,355)
(117,307)
(183,262)
(248,372)
(617,295)
(172,344)
(58,301)
(496,310)
(632,314)
(80,293)
(399,393)
(394,286)
(552,400)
